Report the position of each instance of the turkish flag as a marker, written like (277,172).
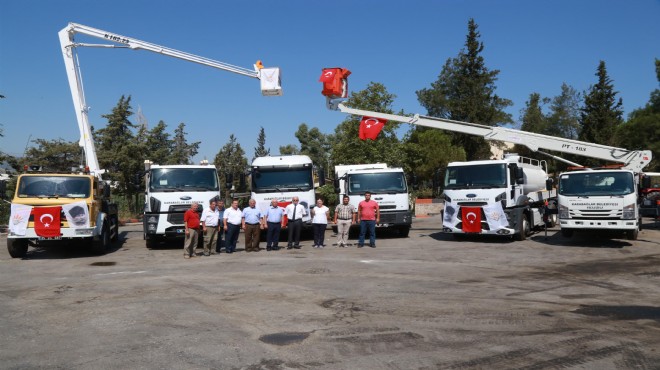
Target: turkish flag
(285,219)
(471,217)
(47,221)
(370,127)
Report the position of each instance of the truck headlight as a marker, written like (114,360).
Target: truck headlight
(629,212)
(563,211)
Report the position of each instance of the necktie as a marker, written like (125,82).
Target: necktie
(294,212)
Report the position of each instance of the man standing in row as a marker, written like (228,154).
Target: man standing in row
(368,216)
(232,222)
(252,226)
(344,218)
(272,221)
(191,222)
(221,230)
(295,213)
(210,218)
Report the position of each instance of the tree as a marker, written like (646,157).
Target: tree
(182,152)
(158,144)
(602,113)
(314,143)
(231,161)
(465,91)
(347,148)
(289,149)
(564,118)
(55,155)
(642,130)
(260,150)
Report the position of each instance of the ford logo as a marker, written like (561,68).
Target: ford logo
(185,197)
(471,195)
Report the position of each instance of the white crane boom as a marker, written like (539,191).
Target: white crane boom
(634,160)
(69,46)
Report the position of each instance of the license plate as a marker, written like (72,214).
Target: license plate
(50,238)
(180,231)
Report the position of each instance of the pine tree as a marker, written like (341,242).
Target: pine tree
(260,150)
(232,162)
(465,91)
(602,112)
(182,152)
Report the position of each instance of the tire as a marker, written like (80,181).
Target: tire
(525,229)
(552,220)
(149,242)
(115,226)
(102,245)
(17,247)
(567,233)
(404,231)
(632,234)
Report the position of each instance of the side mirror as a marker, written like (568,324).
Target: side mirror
(106,190)
(229,180)
(415,182)
(646,182)
(520,176)
(321,177)
(241,181)
(3,189)
(548,184)
(336,184)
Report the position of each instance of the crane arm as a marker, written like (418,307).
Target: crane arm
(270,83)
(634,160)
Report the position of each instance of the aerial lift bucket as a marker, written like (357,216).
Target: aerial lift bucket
(271,83)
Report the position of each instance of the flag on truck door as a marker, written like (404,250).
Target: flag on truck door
(471,217)
(370,127)
(47,221)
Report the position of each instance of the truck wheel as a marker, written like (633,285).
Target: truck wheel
(567,233)
(115,229)
(632,234)
(102,245)
(150,242)
(525,229)
(17,247)
(404,231)
(552,221)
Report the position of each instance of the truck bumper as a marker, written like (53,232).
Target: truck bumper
(66,233)
(395,219)
(599,224)
(156,225)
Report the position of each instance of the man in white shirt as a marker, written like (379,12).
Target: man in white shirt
(232,219)
(210,221)
(295,213)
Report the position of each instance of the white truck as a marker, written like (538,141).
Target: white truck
(584,208)
(282,178)
(478,194)
(169,191)
(387,186)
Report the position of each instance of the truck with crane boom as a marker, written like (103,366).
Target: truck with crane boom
(590,199)
(169,189)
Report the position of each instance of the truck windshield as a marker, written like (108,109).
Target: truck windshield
(476,176)
(54,186)
(385,182)
(282,179)
(596,183)
(183,179)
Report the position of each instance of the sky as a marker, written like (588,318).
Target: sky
(536,46)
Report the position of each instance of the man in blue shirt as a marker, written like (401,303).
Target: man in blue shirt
(273,223)
(252,226)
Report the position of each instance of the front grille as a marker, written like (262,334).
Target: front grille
(472,204)
(387,207)
(175,213)
(607,214)
(386,218)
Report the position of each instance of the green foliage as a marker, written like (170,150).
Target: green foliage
(182,152)
(602,112)
(54,155)
(564,118)
(327,193)
(428,151)
(289,149)
(465,91)
(314,144)
(347,148)
(231,160)
(642,131)
(158,144)
(260,150)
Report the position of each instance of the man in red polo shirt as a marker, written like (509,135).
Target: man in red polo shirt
(191,220)
(368,216)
